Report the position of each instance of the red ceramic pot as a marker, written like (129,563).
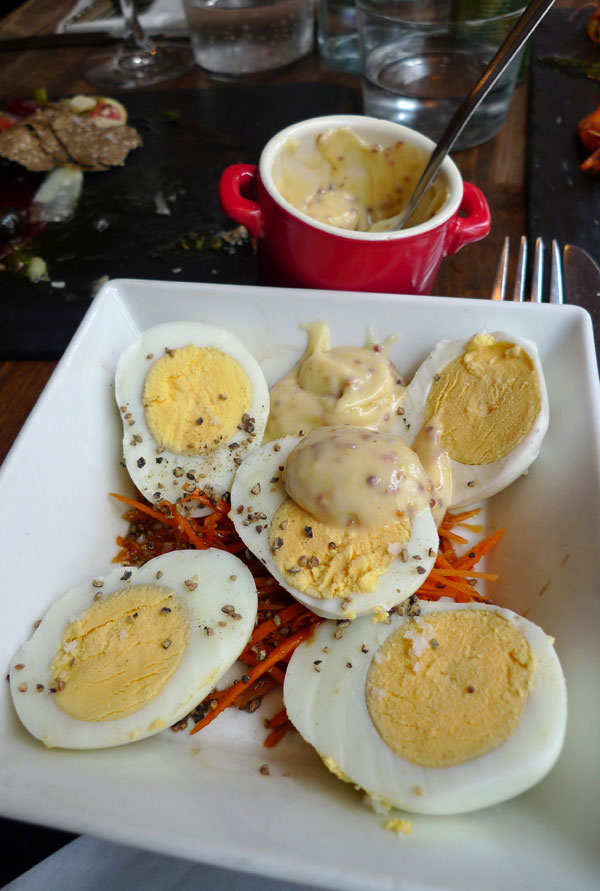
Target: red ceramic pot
(295,250)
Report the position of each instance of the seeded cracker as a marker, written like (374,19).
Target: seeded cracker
(21,145)
(54,136)
(41,124)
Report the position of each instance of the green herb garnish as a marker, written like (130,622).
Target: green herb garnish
(575,67)
(40,95)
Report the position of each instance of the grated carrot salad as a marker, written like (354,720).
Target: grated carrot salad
(282,623)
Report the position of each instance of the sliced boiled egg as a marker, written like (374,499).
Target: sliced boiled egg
(449,710)
(487,398)
(341,518)
(193,403)
(123,657)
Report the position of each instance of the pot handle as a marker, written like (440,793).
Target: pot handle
(235,180)
(472,221)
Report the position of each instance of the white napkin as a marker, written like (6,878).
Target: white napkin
(97,865)
(163,16)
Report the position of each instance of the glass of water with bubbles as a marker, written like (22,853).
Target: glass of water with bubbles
(420,58)
(239,37)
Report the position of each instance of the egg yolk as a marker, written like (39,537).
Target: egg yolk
(447,688)
(343,385)
(118,655)
(327,562)
(486,401)
(194,398)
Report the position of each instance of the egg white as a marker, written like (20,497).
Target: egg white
(222,579)
(164,474)
(473,483)
(258,487)
(326,703)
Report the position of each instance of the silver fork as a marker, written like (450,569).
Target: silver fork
(556,292)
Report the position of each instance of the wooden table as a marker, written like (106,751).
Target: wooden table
(497,167)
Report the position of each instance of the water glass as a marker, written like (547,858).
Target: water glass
(238,37)
(337,34)
(420,58)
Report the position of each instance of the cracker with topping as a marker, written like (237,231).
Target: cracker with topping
(55,135)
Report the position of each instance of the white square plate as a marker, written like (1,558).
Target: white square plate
(203,797)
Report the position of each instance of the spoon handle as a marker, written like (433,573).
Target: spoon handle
(514,41)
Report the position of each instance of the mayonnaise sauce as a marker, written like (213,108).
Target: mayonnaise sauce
(347,476)
(341,180)
(436,464)
(343,385)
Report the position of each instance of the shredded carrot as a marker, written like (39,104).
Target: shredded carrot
(184,526)
(278,719)
(287,646)
(452,536)
(139,505)
(216,503)
(276,735)
(449,588)
(479,550)
(282,623)
(251,697)
(247,657)
(286,615)
(491,576)
(279,725)
(451,520)
(212,530)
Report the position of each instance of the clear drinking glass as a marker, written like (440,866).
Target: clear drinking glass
(420,58)
(239,37)
(138,61)
(337,34)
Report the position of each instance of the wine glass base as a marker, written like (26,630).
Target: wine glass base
(126,68)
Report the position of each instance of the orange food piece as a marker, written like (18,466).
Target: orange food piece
(588,131)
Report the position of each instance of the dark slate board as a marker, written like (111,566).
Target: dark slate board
(563,201)
(215,127)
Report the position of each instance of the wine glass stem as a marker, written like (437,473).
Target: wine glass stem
(134,36)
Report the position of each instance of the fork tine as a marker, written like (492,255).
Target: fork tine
(499,284)
(520,274)
(556,277)
(537,280)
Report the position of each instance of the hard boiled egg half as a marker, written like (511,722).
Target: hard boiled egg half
(193,403)
(123,657)
(454,709)
(487,398)
(341,518)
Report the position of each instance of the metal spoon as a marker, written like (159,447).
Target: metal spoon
(524,28)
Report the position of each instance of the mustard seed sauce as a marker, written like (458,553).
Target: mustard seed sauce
(347,476)
(343,385)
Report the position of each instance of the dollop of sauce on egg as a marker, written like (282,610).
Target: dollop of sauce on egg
(485,401)
(353,494)
(346,476)
(339,179)
(449,688)
(343,385)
